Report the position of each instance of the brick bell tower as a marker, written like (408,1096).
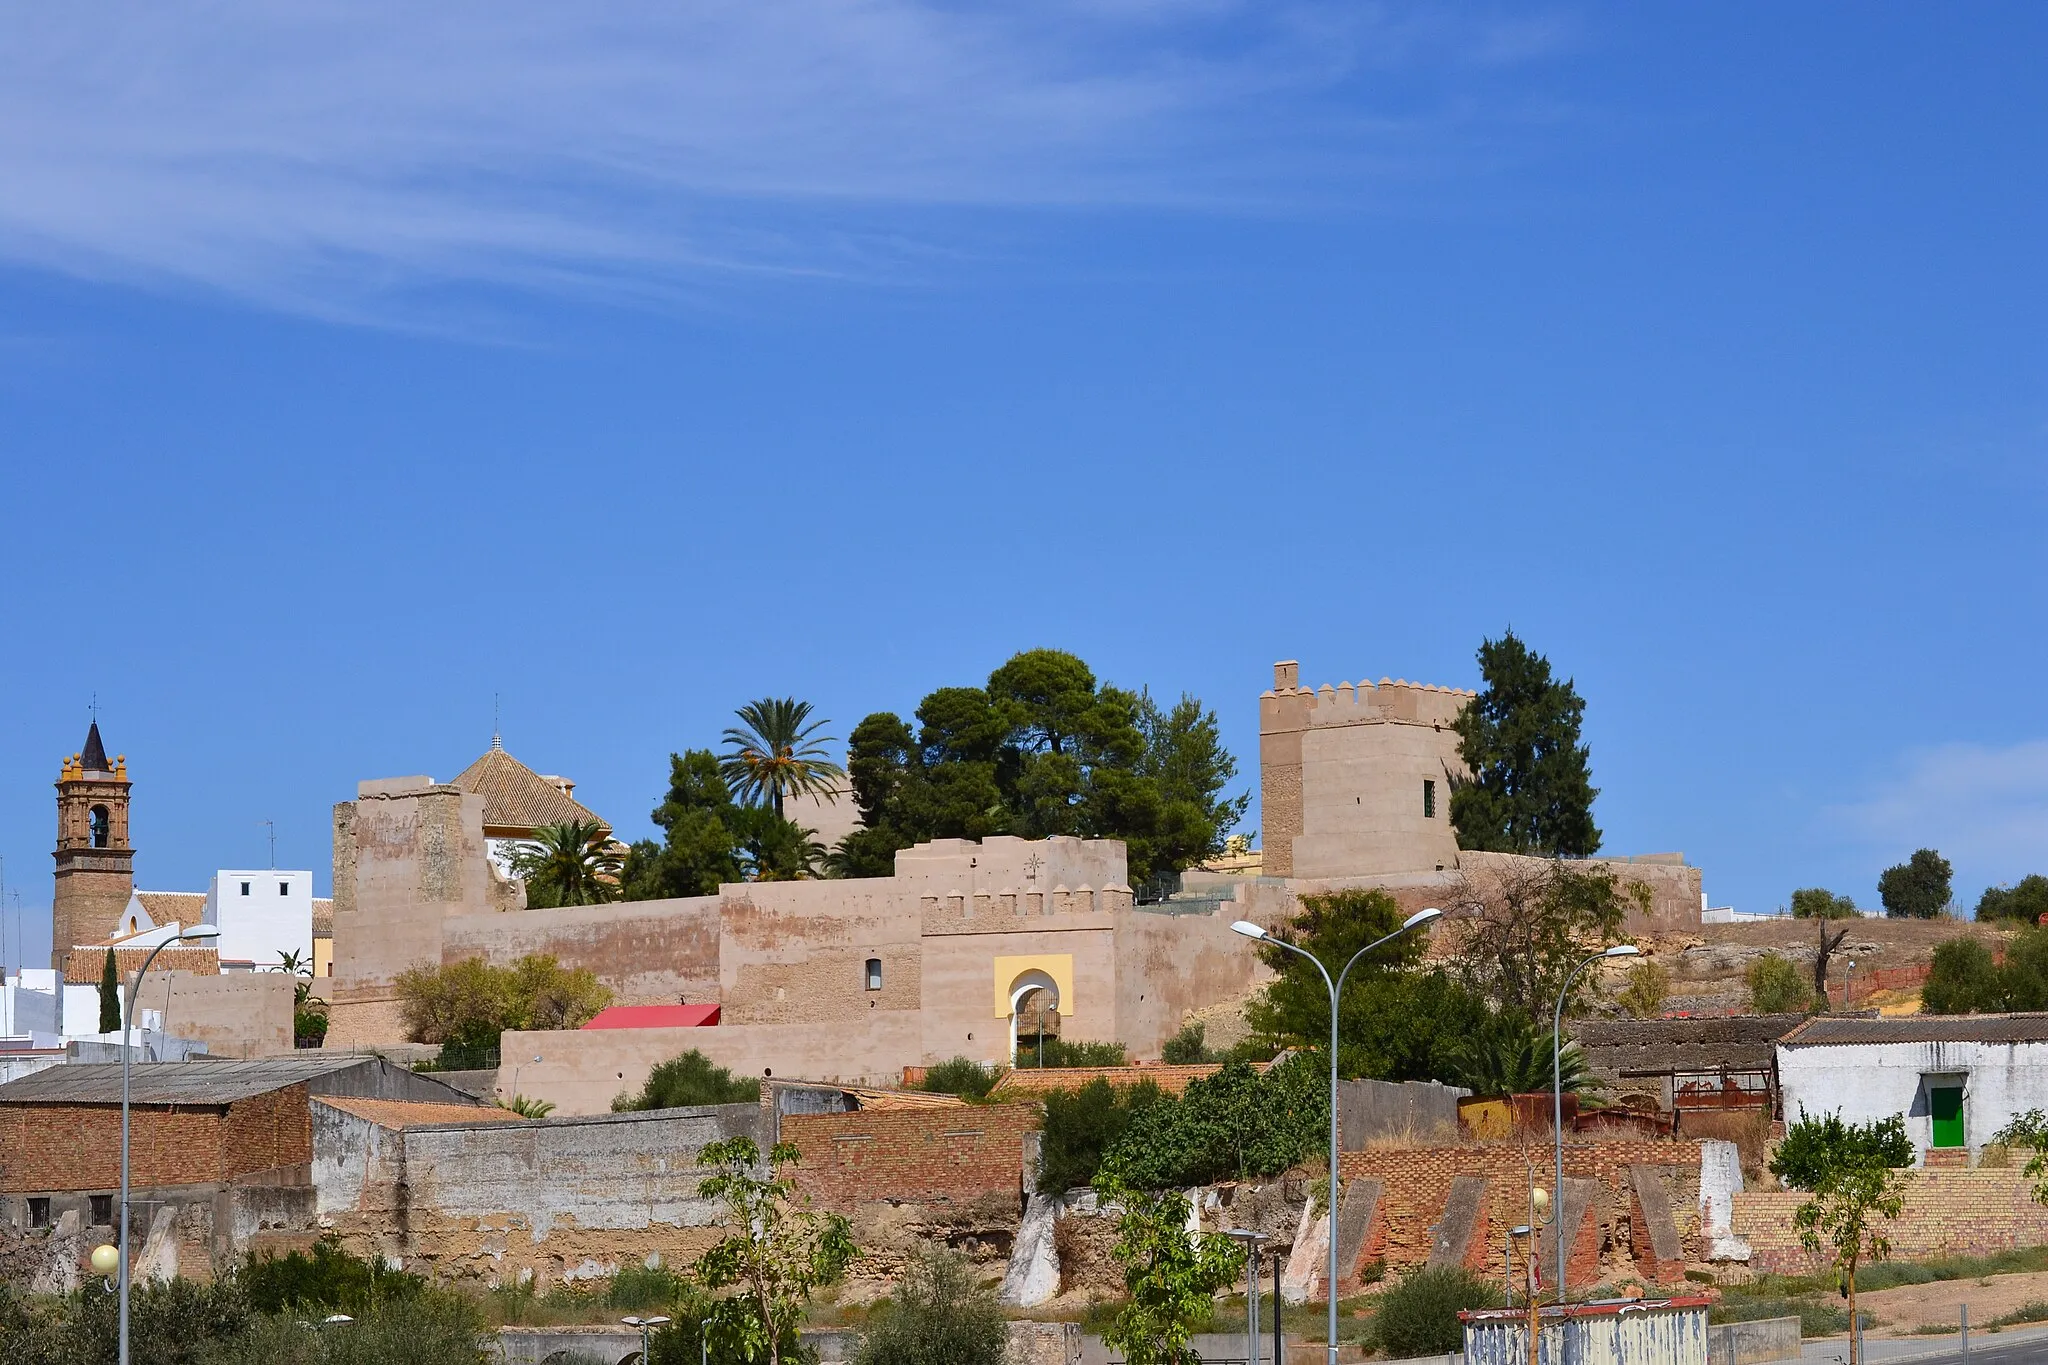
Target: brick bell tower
(95,865)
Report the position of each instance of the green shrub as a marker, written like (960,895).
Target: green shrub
(327,1278)
(1418,1313)
(1962,980)
(1189,1047)
(1232,1125)
(1816,903)
(1062,1053)
(1776,986)
(688,1082)
(2025,901)
(962,1076)
(639,1287)
(939,1314)
(2024,977)
(1081,1126)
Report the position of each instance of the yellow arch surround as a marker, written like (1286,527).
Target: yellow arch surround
(1058,966)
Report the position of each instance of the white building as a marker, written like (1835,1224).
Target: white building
(29,1009)
(1957,1079)
(261,916)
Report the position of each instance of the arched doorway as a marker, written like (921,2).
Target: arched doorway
(1034,996)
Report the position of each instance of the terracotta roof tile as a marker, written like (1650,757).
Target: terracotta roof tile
(186,907)
(323,917)
(83,965)
(516,798)
(413,1113)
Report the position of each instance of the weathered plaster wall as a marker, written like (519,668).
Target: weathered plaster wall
(581,1071)
(418,857)
(563,1198)
(1871,1081)
(1167,965)
(241,1014)
(648,952)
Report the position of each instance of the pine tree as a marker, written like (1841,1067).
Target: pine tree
(110,995)
(1531,784)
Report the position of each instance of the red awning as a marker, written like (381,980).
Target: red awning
(655,1016)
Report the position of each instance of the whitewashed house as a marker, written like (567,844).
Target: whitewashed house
(1957,1079)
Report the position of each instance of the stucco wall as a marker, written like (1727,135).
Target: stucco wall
(581,1071)
(1168,965)
(416,851)
(649,952)
(241,1014)
(1868,1081)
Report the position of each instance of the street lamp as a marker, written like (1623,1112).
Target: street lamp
(197,931)
(1557,1091)
(1251,1242)
(645,1325)
(1336,988)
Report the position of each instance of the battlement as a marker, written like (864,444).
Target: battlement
(1290,706)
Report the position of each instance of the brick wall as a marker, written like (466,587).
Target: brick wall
(1946,1213)
(47,1147)
(913,1155)
(1418,1187)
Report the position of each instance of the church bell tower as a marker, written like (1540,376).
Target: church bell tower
(95,865)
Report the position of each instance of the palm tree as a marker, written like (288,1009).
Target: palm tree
(776,753)
(573,863)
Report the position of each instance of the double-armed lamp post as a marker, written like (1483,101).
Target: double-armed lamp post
(194,934)
(1336,989)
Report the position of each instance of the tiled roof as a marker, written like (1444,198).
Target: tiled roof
(323,917)
(1921,1028)
(886,1101)
(93,757)
(186,907)
(516,798)
(83,965)
(655,1016)
(413,1113)
(172,1082)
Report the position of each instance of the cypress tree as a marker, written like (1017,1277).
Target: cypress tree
(110,995)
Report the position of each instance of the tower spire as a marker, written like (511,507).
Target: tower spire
(94,756)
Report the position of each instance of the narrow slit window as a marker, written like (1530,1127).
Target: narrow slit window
(1429,798)
(874,973)
(284,888)
(245,888)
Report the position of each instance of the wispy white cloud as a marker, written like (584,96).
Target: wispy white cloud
(1985,807)
(329,157)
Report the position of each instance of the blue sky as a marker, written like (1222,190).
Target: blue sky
(359,364)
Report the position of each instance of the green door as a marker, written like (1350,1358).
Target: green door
(1946,1104)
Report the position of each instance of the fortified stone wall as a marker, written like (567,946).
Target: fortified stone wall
(1947,1213)
(1342,774)
(649,952)
(581,1070)
(169,1146)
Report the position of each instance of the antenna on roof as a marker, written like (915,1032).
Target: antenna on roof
(497,739)
(273,840)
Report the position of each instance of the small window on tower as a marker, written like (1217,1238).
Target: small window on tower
(284,888)
(245,888)
(874,973)
(1428,799)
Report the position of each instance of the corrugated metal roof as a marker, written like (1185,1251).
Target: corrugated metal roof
(1921,1028)
(172,1082)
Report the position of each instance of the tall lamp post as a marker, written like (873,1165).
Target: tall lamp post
(1251,1242)
(197,931)
(1557,1093)
(1336,989)
(645,1325)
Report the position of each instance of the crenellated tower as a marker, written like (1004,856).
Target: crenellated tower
(95,864)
